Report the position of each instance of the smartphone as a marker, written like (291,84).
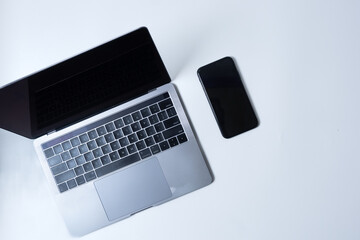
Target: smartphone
(227,96)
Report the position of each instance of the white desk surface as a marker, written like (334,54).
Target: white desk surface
(296,176)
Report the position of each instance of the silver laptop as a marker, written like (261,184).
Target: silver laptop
(110,132)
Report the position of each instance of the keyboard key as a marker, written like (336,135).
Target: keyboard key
(119,123)
(49,153)
(171,111)
(182,138)
(110,127)
(123,152)
(84,138)
(126,130)
(92,145)
(59,169)
(158,137)
(155,149)
(100,141)
(106,149)
(89,156)
(159,127)
(71,183)
(109,137)
(80,160)
(136,116)
(145,153)
(127,120)
(144,123)
(92,134)
(105,159)
(124,142)
(162,116)
(165,104)
(80,180)
(117,165)
(115,145)
(97,153)
(154,108)
(114,156)
(171,122)
(150,130)
(141,134)
(65,156)
(71,163)
(79,170)
(118,134)
(90,176)
(135,126)
(63,187)
(132,138)
(101,130)
(64,176)
(173,142)
(164,145)
(83,148)
(149,141)
(54,160)
(140,145)
(145,112)
(173,131)
(88,167)
(58,149)
(153,119)
(96,163)
(131,148)
(74,152)
(66,145)
(75,141)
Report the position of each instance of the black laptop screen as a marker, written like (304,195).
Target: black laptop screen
(82,86)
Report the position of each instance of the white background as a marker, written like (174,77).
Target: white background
(296,176)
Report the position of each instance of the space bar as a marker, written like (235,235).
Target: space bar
(117,165)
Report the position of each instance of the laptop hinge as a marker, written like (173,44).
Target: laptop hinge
(152,90)
(49,133)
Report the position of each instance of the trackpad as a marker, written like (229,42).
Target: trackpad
(133,189)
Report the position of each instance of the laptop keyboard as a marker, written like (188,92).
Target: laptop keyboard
(114,142)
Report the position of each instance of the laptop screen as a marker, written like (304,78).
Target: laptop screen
(82,86)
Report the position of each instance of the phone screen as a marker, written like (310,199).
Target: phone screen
(227,96)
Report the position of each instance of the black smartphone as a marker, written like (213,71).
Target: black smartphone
(227,96)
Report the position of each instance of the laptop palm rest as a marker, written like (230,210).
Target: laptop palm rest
(133,189)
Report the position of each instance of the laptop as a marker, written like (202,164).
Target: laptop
(110,131)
